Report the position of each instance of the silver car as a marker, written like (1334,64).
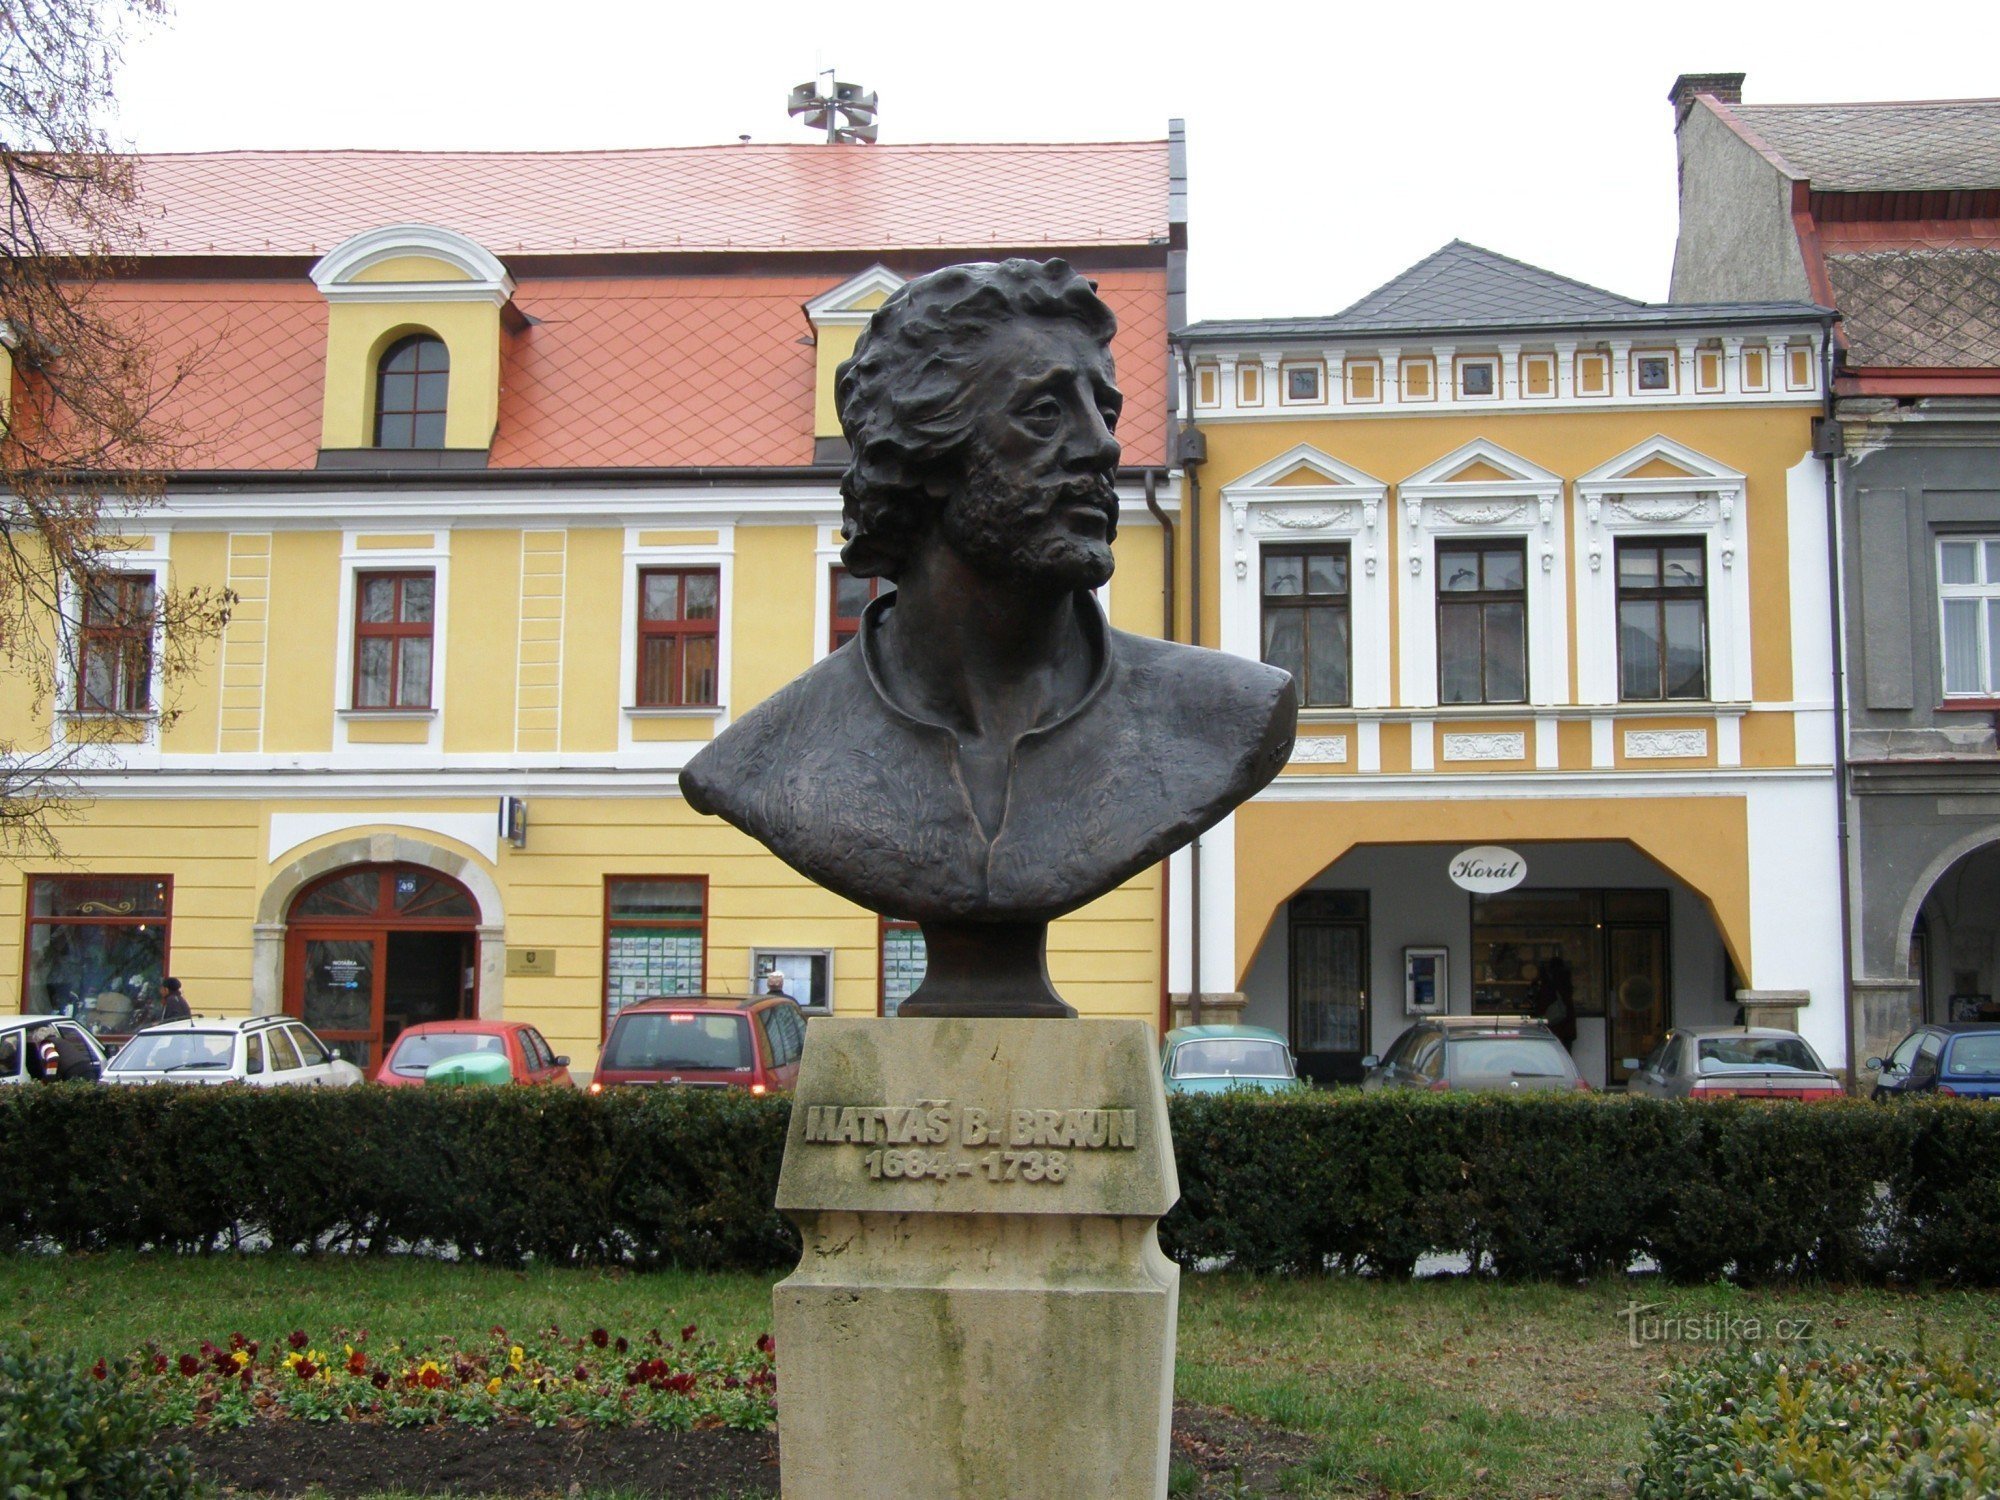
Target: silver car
(1740,1062)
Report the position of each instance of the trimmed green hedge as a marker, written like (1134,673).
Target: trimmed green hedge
(1853,1424)
(1552,1186)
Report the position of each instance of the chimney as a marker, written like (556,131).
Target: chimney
(1724,88)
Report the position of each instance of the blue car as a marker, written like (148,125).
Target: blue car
(1956,1058)
(1209,1059)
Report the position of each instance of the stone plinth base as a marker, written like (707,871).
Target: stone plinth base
(982,1308)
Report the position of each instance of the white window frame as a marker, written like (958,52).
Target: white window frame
(144,556)
(1522,506)
(721,555)
(1982,593)
(1706,506)
(355,559)
(1348,506)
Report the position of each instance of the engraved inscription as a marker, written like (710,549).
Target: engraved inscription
(937,1140)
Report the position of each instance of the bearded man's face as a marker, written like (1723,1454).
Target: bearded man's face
(1035,499)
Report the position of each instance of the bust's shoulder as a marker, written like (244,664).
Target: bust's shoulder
(809,711)
(1214,680)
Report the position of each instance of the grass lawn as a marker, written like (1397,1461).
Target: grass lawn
(1439,1388)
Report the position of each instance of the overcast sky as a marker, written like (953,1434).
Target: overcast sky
(1330,145)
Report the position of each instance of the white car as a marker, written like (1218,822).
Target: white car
(263,1051)
(17,1054)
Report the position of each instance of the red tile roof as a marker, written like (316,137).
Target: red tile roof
(652,371)
(697,198)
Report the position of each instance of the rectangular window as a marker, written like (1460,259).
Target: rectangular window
(1416,376)
(1756,370)
(1482,622)
(97,949)
(1364,380)
(1662,620)
(1307,620)
(850,596)
(1969,594)
(1653,372)
(1538,374)
(679,621)
(655,939)
(904,960)
(394,622)
(1593,374)
(1476,377)
(115,663)
(1302,382)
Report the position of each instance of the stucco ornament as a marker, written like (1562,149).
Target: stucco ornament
(989,753)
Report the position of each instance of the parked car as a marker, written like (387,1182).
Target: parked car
(1737,1062)
(263,1051)
(1956,1058)
(1209,1059)
(20,1058)
(1482,1054)
(704,1041)
(528,1056)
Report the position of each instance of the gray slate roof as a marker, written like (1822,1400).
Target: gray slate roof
(1920,309)
(1866,148)
(1463,287)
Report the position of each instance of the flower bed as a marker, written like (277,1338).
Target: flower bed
(675,1381)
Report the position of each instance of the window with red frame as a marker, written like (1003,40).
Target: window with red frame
(850,597)
(410,388)
(905,960)
(394,625)
(115,664)
(679,620)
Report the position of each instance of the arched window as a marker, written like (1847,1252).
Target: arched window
(410,391)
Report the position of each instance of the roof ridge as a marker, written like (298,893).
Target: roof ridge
(1865,103)
(1407,274)
(1528,265)
(727,146)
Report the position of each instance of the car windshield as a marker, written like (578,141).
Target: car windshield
(1232,1057)
(1975,1055)
(1509,1057)
(151,1052)
(679,1039)
(1756,1054)
(416,1053)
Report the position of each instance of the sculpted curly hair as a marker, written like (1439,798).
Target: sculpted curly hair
(899,394)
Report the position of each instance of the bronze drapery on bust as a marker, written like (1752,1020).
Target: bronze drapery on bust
(989,753)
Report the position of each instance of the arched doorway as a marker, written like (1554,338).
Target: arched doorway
(1954,942)
(372,949)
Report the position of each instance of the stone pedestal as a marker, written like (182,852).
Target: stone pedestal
(982,1308)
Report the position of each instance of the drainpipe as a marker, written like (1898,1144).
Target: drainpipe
(1828,447)
(1190,448)
(1168,633)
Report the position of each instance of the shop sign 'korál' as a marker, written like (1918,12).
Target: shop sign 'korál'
(1488,869)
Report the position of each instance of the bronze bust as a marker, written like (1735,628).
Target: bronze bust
(990,753)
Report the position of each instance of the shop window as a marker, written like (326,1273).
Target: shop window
(115,651)
(850,596)
(679,610)
(1307,623)
(410,387)
(394,625)
(1969,594)
(97,948)
(904,961)
(655,939)
(1482,622)
(1662,620)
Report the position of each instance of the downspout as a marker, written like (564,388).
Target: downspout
(1166,633)
(1829,448)
(1190,450)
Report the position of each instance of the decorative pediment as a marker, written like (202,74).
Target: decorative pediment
(412,263)
(855,299)
(1304,467)
(1487,466)
(1660,463)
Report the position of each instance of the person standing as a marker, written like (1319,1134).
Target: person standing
(173,1005)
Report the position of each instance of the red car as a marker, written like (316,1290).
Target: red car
(529,1057)
(705,1041)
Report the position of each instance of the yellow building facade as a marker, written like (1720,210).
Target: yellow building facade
(1551,567)
(514,525)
